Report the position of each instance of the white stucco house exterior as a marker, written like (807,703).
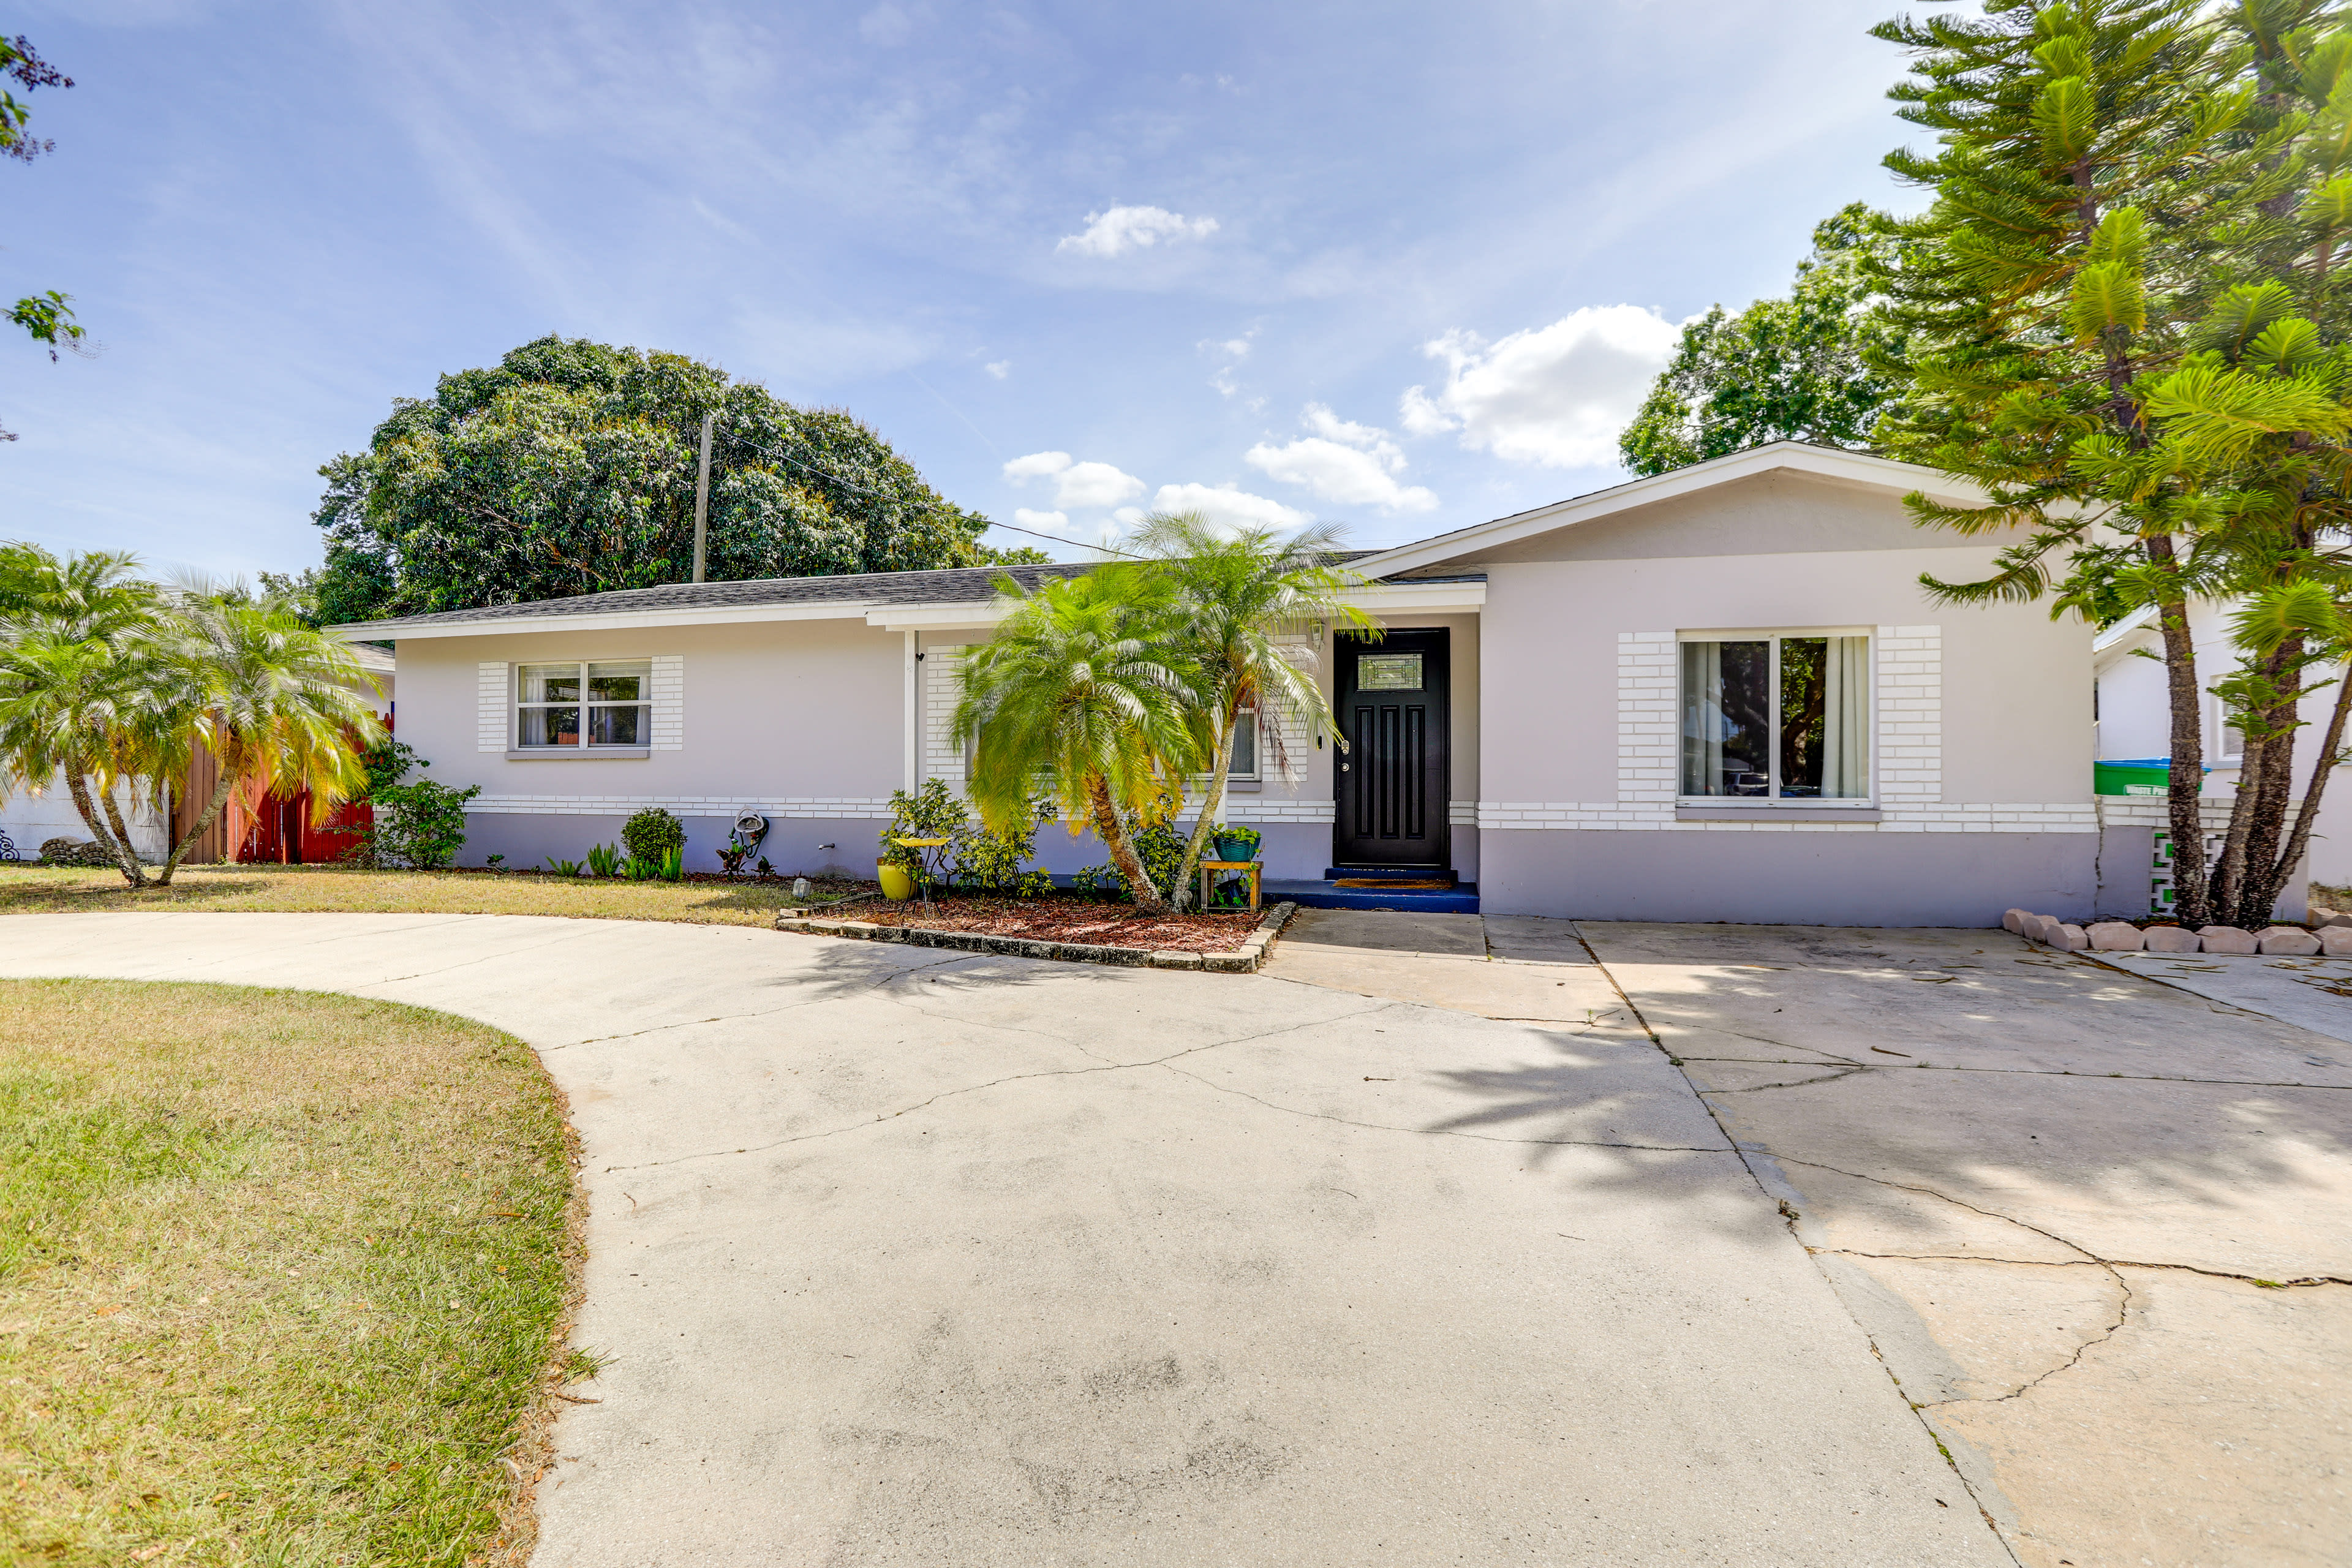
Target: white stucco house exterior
(1716,694)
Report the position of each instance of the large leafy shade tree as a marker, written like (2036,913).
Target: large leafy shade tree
(570,467)
(1074,697)
(1813,367)
(1227,599)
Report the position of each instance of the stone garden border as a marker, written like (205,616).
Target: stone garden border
(1243,960)
(2330,936)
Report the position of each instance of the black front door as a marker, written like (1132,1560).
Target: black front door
(1390,696)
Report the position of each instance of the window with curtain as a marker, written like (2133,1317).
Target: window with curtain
(607,704)
(1776,717)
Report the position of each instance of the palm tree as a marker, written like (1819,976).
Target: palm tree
(1231,597)
(1072,697)
(281,704)
(85,681)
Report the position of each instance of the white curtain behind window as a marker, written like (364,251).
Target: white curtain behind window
(1702,718)
(1845,745)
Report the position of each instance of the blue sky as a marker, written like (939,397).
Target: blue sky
(1401,267)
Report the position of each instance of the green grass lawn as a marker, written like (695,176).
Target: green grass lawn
(51,890)
(282,1278)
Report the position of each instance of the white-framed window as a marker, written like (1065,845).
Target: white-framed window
(585,704)
(2228,740)
(1775,715)
(1245,763)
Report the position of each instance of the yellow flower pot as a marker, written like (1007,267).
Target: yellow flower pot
(897,882)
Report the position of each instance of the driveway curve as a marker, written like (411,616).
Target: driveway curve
(917,1258)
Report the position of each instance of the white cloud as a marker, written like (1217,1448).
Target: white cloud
(1557,396)
(998,368)
(1122,229)
(1044,522)
(1355,464)
(1225,504)
(1075,483)
(1037,465)
(1232,351)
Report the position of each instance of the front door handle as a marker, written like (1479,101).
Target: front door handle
(1343,767)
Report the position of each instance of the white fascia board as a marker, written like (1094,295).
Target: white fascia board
(1380,599)
(1860,467)
(627,620)
(2139,620)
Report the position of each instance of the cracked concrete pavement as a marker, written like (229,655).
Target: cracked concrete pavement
(2099,1228)
(921,1257)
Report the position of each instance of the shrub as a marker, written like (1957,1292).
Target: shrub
(652,834)
(421,825)
(603,859)
(929,813)
(73,852)
(973,859)
(1160,848)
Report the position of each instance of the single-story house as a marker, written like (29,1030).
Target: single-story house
(1716,694)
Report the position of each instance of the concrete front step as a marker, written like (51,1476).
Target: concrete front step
(1459,900)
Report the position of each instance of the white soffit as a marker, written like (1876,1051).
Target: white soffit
(1794,456)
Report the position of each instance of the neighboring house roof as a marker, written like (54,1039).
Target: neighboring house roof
(1797,456)
(374,659)
(2115,641)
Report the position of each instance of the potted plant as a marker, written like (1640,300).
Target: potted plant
(1237,842)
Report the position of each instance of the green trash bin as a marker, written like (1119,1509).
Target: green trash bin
(2134,775)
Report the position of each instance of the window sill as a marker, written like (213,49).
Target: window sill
(1773,812)
(576,754)
(1242,786)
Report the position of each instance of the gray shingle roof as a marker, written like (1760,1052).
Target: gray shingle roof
(955,585)
(960,584)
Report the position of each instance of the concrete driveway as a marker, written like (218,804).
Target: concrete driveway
(913,1257)
(2099,1228)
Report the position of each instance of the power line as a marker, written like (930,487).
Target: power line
(877,495)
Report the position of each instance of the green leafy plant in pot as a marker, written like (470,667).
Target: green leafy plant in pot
(1235,843)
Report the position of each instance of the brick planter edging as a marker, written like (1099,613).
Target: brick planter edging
(1243,960)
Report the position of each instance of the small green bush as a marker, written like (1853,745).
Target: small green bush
(603,859)
(974,859)
(421,825)
(652,834)
(1162,850)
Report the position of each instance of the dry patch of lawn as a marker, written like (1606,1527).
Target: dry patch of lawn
(281,1277)
(341,889)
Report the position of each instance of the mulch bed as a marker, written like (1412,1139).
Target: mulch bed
(1073,919)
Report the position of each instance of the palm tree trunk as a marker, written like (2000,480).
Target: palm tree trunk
(1212,804)
(121,831)
(2192,900)
(222,785)
(1111,825)
(2323,766)
(2260,876)
(78,787)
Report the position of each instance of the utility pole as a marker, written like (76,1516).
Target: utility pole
(702,496)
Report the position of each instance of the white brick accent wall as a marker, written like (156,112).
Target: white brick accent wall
(941,690)
(1648,750)
(668,694)
(862,807)
(491,717)
(2154,811)
(1910,747)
